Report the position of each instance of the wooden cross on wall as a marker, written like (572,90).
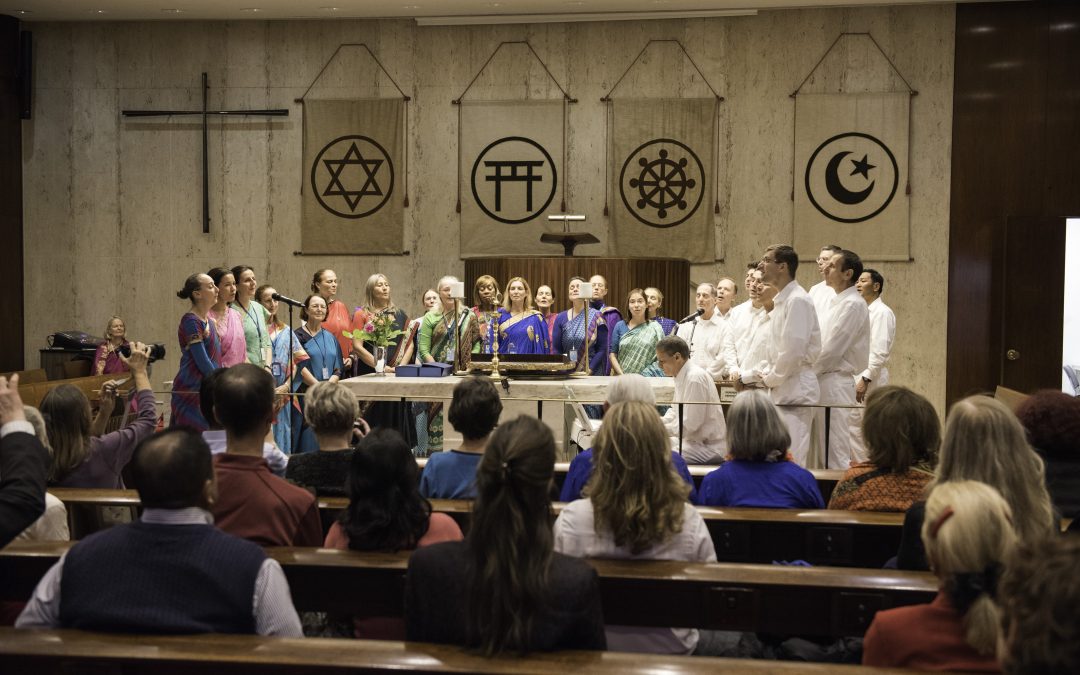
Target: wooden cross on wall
(279,112)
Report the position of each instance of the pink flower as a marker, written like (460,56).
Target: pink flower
(369,327)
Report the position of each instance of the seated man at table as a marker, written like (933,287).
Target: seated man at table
(703,428)
(171,571)
(474,412)
(252,502)
(628,387)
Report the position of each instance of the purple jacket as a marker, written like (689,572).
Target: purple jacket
(109,454)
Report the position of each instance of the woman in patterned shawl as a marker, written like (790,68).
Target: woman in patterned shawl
(633,342)
(200,352)
(568,335)
(522,329)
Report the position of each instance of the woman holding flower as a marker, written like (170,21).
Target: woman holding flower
(381,326)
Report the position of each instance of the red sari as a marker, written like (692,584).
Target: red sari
(337,322)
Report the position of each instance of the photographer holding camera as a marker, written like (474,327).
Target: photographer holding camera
(82,460)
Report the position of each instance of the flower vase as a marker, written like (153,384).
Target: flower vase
(380,361)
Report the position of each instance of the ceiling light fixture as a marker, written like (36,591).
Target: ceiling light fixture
(489,19)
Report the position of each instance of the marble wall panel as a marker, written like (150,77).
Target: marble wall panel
(125,196)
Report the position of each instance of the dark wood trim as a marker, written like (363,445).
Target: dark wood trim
(11,206)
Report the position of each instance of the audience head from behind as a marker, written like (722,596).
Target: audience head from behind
(510,541)
(672,354)
(206,397)
(1052,421)
(386,511)
(901,429)
(983,441)
(66,411)
(634,489)
(755,430)
(629,387)
(968,535)
(331,410)
(1039,596)
(244,401)
(173,470)
(33,416)
(475,408)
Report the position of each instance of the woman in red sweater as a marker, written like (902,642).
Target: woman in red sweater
(968,534)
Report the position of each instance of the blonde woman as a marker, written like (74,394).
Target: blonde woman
(522,329)
(968,534)
(984,441)
(635,507)
(107,357)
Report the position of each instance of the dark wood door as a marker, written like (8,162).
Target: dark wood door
(1033,298)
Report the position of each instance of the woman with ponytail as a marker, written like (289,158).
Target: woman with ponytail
(504,589)
(968,534)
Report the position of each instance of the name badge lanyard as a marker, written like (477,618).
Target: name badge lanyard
(322,351)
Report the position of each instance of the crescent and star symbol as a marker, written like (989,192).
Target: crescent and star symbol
(352,158)
(836,188)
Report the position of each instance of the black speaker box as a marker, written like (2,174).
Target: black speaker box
(26,73)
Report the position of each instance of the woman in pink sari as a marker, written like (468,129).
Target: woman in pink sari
(229,323)
(106,359)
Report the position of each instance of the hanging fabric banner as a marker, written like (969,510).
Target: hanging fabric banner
(662,173)
(510,172)
(851,157)
(352,169)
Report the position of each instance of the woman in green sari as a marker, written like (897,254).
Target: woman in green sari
(436,344)
(633,342)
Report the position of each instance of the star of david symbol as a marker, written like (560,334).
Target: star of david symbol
(352,177)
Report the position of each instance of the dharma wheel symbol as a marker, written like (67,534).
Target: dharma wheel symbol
(661,183)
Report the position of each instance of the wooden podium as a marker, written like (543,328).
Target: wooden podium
(670,275)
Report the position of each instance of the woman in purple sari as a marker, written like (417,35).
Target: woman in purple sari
(200,351)
(522,329)
(568,334)
(106,359)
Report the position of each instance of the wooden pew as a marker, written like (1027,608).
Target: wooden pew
(821,537)
(67,651)
(28,376)
(33,393)
(818,601)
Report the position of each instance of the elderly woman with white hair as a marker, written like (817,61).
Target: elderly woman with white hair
(760,471)
(628,387)
(332,412)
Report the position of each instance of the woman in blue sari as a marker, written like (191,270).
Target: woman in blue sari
(568,334)
(283,342)
(318,359)
(522,329)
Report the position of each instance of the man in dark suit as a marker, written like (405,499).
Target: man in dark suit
(24,463)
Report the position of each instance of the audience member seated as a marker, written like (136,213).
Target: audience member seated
(24,464)
(474,412)
(504,589)
(628,387)
(252,502)
(215,435)
(1052,421)
(107,359)
(1039,596)
(902,433)
(702,426)
(983,441)
(80,460)
(331,412)
(53,524)
(386,512)
(968,536)
(760,471)
(635,507)
(172,571)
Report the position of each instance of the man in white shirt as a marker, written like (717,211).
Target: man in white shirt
(704,432)
(882,334)
(752,350)
(737,319)
(793,346)
(820,292)
(704,335)
(845,348)
(726,290)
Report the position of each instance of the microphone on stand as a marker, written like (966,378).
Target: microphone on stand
(287,300)
(692,316)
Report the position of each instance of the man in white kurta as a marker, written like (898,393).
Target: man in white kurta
(704,432)
(705,335)
(820,292)
(741,329)
(845,349)
(726,291)
(882,334)
(739,311)
(793,346)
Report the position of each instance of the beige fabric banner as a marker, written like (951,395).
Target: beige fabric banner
(353,177)
(511,172)
(851,156)
(663,181)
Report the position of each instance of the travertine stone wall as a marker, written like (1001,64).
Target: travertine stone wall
(113,208)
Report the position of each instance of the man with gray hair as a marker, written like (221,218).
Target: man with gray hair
(705,335)
(628,387)
(696,424)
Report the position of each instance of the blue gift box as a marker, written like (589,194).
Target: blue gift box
(407,370)
(436,369)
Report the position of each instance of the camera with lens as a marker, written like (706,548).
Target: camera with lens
(157,351)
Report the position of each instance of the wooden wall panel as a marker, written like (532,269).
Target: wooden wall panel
(1015,135)
(671,276)
(11,253)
